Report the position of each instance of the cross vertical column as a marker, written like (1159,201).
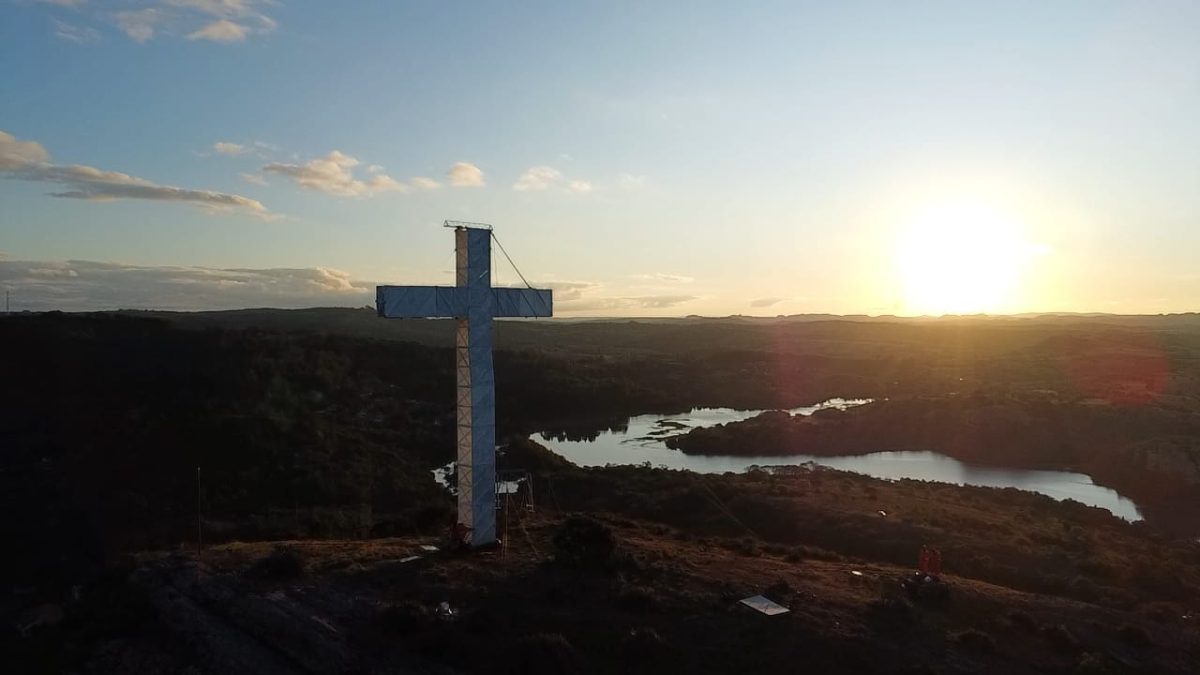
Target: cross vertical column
(476,463)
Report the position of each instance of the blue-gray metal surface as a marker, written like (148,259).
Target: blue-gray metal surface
(473,302)
(417,302)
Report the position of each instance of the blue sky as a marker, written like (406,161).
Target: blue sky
(640,158)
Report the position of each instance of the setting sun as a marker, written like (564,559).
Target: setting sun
(961,258)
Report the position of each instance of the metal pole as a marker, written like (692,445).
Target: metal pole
(199,527)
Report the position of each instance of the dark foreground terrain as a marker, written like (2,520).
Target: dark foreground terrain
(662,601)
(312,431)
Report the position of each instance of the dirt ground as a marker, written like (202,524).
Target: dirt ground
(662,602)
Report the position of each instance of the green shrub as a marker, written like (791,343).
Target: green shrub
(584,542)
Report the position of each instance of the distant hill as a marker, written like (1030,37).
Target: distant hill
(606,335)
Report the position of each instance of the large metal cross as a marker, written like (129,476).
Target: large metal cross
(473,302)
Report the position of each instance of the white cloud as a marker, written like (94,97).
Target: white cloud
(139,24)
(253,178)
(217,7)
(221,30)
(227,148)
(212,20)
(664,277)
(465,174)
(331,174)
(765,302)
(542,177)
(73,33)
(28,160)
(538,178)
(80,285)
(16,154)
(334,174)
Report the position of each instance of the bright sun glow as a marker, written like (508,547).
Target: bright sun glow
(961,258)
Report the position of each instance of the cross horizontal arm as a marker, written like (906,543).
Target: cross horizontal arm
(522,302)
(417,302)
(420,302)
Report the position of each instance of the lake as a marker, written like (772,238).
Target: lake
(642,439)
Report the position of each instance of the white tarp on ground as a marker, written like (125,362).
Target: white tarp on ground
(761,604)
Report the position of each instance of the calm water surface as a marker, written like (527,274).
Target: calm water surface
(642,441)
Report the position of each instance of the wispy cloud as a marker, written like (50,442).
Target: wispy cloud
(211,20)
(334,174)
(538,178)
(663,277)
(28,160)
(227,148)
(82,285)
(221,30)
(140,24)
(542,177)
(72,33)
(766,302)
(253,178)
(465,174)
(79,285)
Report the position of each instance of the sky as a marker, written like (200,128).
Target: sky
(639,158)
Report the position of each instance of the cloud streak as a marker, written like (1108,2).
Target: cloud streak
(227,148)
(81,285)
(542,178)
(72,33)
(765,302)
(221,30)
(334,174)
(211,20)
(663,277)
(29,161)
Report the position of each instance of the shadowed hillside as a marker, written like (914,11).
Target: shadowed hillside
(315,432)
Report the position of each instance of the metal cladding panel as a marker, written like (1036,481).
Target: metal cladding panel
(480,306)
(522,302)
(411,302)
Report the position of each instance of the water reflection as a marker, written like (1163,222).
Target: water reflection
(641,441)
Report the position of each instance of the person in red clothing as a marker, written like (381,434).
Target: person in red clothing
(929,561)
